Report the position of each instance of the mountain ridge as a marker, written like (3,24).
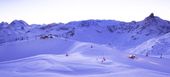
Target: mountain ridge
(122,35)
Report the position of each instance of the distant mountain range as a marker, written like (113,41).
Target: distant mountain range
(124,36)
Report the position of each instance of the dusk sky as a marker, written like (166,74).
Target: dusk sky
(49,11)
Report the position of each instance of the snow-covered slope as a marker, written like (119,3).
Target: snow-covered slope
(156,46)
(27,48)
(75,65)
(21,49)
(83,60)
(89,48)
(121,35)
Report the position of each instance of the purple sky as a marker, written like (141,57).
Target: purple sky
(49,11)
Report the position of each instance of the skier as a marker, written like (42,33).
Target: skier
(103,59)
(66,54)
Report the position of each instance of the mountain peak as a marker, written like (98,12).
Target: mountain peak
(152,18)
(18,25)
(151,15)
(18,22)
(3,24)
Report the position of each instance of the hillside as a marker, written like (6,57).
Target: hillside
(88,48)
(121,35)
(42,58)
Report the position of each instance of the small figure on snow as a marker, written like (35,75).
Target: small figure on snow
(147,54)
(161,56)
(66,54)
(91,46)
(103,59)
(132,56)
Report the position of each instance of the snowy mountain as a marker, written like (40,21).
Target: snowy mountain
(16,30)
(122,35)
(88,48)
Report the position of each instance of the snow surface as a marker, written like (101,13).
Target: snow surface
(47,58)
(89,48)
(154,47)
